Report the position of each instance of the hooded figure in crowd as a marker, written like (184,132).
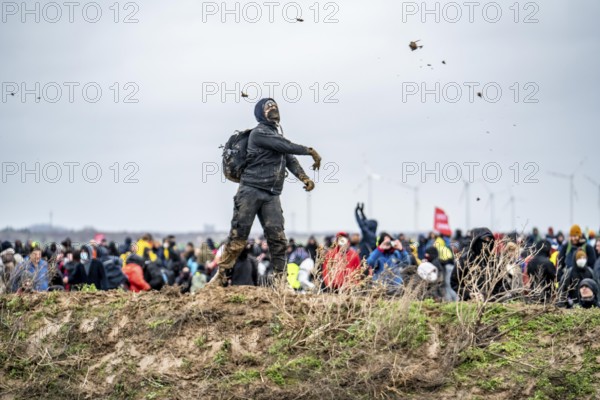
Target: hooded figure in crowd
(587,294)
(573,276)
(89,271)
(479,255)
(542,272)
(368,229)
(269,156)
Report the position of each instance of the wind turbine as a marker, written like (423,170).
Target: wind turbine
(371,176)
(595,183)
(512,202)
(572,192)
(466,195)
(415,190)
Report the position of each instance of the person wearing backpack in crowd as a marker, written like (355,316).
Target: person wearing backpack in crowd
(268,156)
(388,260)
(114,273)
(572,277)
(587,293)
(368,229)
(152,271)
(566,257)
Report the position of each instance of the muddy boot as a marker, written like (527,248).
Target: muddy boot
(220,279)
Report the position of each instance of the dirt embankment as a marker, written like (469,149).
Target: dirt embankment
(253,343)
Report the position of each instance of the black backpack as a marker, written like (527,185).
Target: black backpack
(234,155)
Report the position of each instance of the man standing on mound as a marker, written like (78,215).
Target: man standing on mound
(269,154)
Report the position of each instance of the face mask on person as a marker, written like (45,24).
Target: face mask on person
(581,262)
(166,245)
(84,256)
(342,241)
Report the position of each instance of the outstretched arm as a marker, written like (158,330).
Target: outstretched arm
(294,166)
(277,143)
(360,219)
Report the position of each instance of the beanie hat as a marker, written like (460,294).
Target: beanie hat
(575,230)
(580,254)
(592,234)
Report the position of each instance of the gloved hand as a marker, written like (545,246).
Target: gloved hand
(309,185)
(316,158)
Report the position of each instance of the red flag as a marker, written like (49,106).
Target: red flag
(440,222)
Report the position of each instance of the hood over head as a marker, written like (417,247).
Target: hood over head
(543,248)
(591,284)
(372,225)
(480,238)
(432,252)
(259,111)
(135,259)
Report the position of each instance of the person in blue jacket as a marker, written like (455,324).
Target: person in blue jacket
(388,260)
(32,274)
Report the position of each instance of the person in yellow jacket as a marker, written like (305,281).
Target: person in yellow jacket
(145,243)
(445,254)
(140,247)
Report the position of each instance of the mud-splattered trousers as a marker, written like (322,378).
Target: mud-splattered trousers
(248,203)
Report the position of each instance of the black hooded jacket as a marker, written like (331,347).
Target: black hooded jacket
(368,233)
(571,279)
(588,303)
(541,271)
(269,155)
(471,258)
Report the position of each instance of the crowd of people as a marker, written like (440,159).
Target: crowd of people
(553,268)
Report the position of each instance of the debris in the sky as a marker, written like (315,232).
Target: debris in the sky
(244,95)
(299,20)
(479,95)
(413,45)
(488,132)
(478,199)
(429,65)
(39,98)
(12,94)
(443,62)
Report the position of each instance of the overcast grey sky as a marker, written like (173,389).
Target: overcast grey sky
(181,50)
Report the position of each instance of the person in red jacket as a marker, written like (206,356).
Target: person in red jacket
(134,272)
(341,267)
